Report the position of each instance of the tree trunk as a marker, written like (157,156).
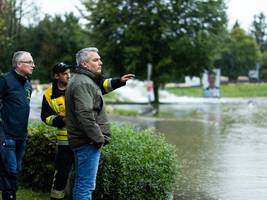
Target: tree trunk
(155,103)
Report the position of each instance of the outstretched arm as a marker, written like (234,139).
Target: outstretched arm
(127,77)
(108,85)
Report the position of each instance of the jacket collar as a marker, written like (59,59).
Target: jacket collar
(21,78)
(55,91)
(96,78)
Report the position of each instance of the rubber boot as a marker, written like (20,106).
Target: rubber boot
(9,195)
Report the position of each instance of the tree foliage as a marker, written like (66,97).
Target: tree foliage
(240,53)
(12,13)
(263,70)
(175,36)
(178,37)
(53,39)
(57,39)
(259,31)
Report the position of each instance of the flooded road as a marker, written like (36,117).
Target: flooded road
(221,146)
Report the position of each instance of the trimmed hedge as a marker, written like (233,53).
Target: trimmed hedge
(138,164)
(38,163)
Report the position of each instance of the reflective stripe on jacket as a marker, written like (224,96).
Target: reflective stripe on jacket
(53,105)
(58,106)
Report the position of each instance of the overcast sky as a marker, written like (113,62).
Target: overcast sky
(241,10)
(244,10)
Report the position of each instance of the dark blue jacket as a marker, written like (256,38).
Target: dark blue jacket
(15,91)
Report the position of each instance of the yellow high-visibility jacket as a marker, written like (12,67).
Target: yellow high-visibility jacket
(53,106)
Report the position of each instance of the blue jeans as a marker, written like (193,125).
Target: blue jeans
(86,165)
(12,152)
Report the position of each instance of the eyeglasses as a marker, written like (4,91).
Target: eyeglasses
(28,62)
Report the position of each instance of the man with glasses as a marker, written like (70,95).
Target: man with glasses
(15,95)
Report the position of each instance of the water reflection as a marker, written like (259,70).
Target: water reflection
(221,146)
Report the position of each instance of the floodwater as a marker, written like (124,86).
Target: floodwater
(221,146)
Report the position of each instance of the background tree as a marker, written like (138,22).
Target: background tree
(263,69)
(177,37)
(52,40)
(259,31)
(3,38)
(11,14)
(56,39)
(240,54)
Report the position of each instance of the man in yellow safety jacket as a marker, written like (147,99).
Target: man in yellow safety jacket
(53,114)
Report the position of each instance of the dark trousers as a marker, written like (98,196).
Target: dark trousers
(64,160)
(11,154)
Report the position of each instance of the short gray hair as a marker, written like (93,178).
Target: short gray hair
(82,55)
(17,57)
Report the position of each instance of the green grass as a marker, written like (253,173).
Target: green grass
(187,91)
(110,97)
(229,90)
(124,112)
(28,194)
(244,90)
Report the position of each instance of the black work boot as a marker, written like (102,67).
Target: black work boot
(51,198)
(9,195)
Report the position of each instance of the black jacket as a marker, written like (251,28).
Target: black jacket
(15,93)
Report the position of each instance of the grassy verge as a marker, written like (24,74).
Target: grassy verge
(124,112)
(229,90)
(28,194)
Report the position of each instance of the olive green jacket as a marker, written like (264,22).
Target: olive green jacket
(87,121)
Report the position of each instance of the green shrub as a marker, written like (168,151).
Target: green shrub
(38,163)
(137,165)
